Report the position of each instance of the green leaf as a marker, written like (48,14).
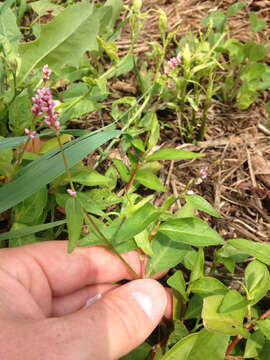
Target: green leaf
(140,353)
(257,280)
(31,209)
(23,239)
(167,253)
(90,178)
(251,72)
(232,301)
(177,282)
(48,167)
(227,324)
(74,213)
(20,116)
(254,345)
(43,7)
(178,333)
(192,231)
(52,144)
(186,211)
(138,144)
(142,241)
(259,250)
(62,41)
(264,326)
(255,52)
(217,17)
(194,308)
(8,25)
(209,346)
(30,230)
(200,203)
(256,23)
(154,132)
(182,349)
(233,9)
(264,354)
(122,169)
(172,154)
(149,180)
(207,286)
(89,204)
(236,50)
(198,267)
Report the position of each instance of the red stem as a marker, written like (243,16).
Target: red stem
(132,176)
(238,338)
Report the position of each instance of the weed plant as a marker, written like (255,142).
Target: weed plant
(47,82)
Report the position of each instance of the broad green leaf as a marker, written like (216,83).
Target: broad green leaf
(140,353)
(74,214)
(236,50)
(142,241)
(256,23)
(264,326)
(52,144)
(264,354)
(194,308)
(31,209)
(111,174)
(198,266)
(122,169)
(186,211)
(62,41)
(30,230)
(20,116)
(104,197)
(178,333)
(255,52)
(117,6)
(227,324)
(233,9)
(257,281)
(261,251)
(172,154)
(232,301)
(192,231)
(209,346)
(75,90)
(177,282)
(217,18)
(89,204)
(200,203)
(23,239)
(43,7)
(48,167)
(167,253)
(8,26)
(207,286)
(254,345)
(149,180)
(252,72)
(138,144)
(90,178)
(154,132)
(182,349)
(245,97)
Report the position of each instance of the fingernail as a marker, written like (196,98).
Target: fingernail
(151,297)
(92,300)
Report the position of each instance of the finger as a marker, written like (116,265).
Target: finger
(67,304)
(48,264)
(118,322)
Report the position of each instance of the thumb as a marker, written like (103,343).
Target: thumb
(120,321)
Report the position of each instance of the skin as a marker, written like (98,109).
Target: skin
(43,291)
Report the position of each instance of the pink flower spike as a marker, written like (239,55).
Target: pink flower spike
(71,193)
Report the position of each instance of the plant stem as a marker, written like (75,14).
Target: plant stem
(110,246)
(65,161)
(132,177)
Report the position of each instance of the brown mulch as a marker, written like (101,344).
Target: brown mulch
(237,144)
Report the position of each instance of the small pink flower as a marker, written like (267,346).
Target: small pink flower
(199,181)
(46,73)
(72,193)
(26,131)
(172,63)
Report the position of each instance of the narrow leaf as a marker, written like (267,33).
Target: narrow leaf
(74,213)
(200,203)
(173,154)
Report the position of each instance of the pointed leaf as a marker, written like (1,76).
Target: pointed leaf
(207,286)
(149,180)
(191,231)
(198,266)
(257,280)
(74,213)
(259,250)
(232,301)
(172,154)
(200,203)
(177,282)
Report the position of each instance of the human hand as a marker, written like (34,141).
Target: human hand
(43,292)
